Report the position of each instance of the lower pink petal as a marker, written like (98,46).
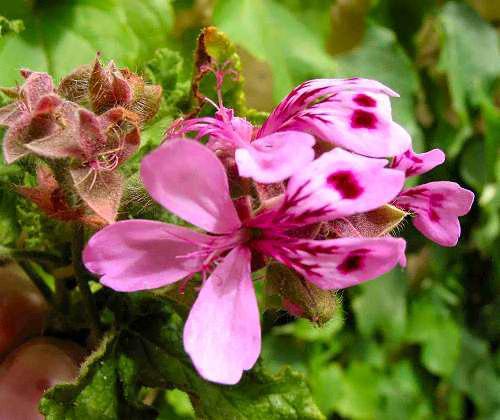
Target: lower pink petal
(338,183)
(142,254)
(222,332)
(337,263)
(276,157)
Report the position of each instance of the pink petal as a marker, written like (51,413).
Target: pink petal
(300,98)
(222,332)
(437,206)
(337,184)
(276,157)
(188,179)
(241,127)
(142,254)
(412,163)
(352,113)
(337,263)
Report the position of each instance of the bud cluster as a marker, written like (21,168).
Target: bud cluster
(84,129)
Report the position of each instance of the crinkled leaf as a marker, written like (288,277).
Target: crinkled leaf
(59,36)
(148,351)
(100,393)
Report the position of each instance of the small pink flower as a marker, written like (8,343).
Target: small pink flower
(222,333)
(267,159)
(437,206)
(352,113)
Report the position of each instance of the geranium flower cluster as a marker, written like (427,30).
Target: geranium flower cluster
(318,188)
(85,128)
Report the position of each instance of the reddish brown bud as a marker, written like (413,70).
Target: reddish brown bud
(110,87)
(75,86)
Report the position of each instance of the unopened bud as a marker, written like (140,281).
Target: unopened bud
(75,86)
(298,296)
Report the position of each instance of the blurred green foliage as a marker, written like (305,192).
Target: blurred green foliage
(415,344)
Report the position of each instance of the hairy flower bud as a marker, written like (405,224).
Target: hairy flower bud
(23,309)
(109,87)
(299,297)
(75,86)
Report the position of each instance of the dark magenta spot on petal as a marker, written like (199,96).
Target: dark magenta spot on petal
(433,216)
(364,100)
(345,183)
(363,119)
(350,264)
(436,199)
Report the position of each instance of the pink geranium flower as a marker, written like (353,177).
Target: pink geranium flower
(352,113)
(436,205)
(271,158)
(222,332)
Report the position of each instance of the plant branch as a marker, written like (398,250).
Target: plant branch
(37,280)
(82,280)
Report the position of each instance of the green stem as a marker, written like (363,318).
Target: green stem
(81,278)
(22,254)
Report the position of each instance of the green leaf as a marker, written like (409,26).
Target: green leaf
(148,351)
(99,392)
(381,306)
(470,54)
(381,57)
(9,227)
(326,382)
(10,26)
(358,397)
(403,395)
(59,36)
(432,325)
(270,32)
(476,375)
